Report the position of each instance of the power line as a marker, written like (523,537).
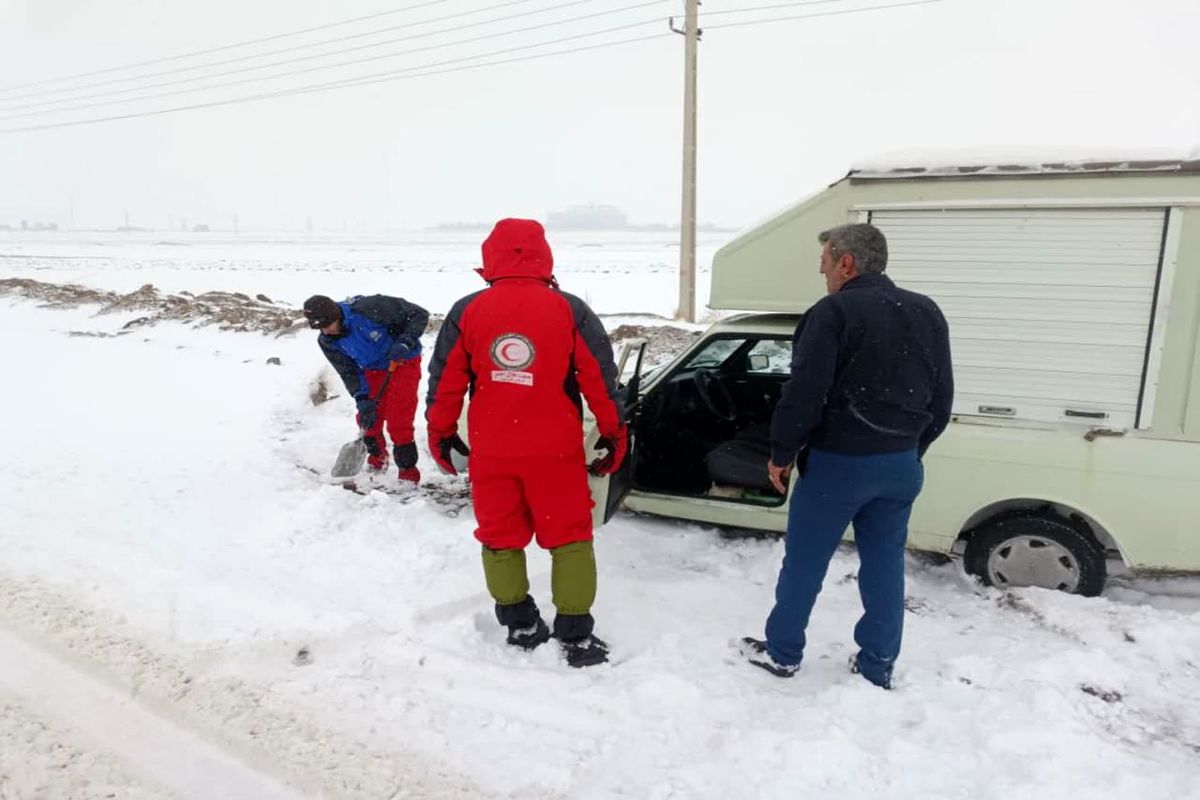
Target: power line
(220,48)
(292,49)
(818,14)
(775,7)
(5,115)
(344,84)
(292,73)
(335,40)
(404,74)
(308,45)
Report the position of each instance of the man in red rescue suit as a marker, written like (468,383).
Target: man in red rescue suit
(526,351)
(364,338)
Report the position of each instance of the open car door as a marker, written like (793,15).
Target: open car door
(609,490)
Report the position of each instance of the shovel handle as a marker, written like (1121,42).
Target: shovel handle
(386,380)
(362,432)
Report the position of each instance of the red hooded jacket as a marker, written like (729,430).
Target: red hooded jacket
(526,351)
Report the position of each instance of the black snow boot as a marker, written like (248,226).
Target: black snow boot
(755,651)
(529,638)
(883,682)
(526,628)
(579,646)
(586,652)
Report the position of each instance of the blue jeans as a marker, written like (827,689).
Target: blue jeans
(876,494)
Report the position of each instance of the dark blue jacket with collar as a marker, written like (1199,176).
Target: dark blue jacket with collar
(871,374)
(370,328)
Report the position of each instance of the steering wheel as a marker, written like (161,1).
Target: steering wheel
(714,394)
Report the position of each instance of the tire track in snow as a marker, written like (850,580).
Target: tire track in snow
(39,758)
(162,751)
(244,718)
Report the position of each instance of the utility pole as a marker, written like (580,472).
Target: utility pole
(687,222)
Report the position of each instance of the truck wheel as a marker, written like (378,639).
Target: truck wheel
(1036,550)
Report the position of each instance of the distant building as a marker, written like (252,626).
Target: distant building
(463,226)
(591,217)
(35,226)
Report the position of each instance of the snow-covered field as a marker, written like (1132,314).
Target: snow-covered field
(169,547)
(617,273)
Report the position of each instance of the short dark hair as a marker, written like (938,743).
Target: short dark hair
(865,242)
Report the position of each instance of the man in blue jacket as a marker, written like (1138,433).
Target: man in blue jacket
(364,338)
(870,390)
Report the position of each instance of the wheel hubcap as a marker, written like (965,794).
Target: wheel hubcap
(1033,561)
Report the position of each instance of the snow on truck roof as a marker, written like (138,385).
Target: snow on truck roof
(1016,163)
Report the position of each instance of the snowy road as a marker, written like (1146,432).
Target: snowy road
(164,753)
(169,549)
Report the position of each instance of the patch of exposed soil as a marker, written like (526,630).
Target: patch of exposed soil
(663,342)
(233,311)
(230,311)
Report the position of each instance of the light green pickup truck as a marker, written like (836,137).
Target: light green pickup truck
(1073,296)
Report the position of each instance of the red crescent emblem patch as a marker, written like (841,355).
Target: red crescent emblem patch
(512,351)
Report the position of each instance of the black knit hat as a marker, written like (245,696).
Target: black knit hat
(321,312)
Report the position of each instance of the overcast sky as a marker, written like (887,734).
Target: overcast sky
(785,107)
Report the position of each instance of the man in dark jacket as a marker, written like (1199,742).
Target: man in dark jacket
(870,391)
(527,352)
(365,338)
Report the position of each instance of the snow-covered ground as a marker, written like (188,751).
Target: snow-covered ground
(169,547)
(432,268)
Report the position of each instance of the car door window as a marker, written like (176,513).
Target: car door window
(770,357)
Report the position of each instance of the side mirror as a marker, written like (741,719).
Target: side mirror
(759,362)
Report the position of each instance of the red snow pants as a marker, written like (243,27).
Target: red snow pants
(518,498)
(396,408)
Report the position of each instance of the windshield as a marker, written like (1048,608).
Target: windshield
(748,355)
(714,353)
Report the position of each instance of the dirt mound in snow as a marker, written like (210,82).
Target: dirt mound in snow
(230,311)
(233,311)
(662,341)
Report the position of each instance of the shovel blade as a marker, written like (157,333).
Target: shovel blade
(350,459)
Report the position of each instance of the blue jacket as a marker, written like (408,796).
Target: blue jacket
(374,333)
(871,374)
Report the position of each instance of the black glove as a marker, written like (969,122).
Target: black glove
(366,412)
(404,346)
(615,447)
(440,446)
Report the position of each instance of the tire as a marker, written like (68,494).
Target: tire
(1036,549)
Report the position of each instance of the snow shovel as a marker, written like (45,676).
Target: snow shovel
(353,455)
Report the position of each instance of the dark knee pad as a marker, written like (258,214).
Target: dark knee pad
(374,445)
(405,455)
